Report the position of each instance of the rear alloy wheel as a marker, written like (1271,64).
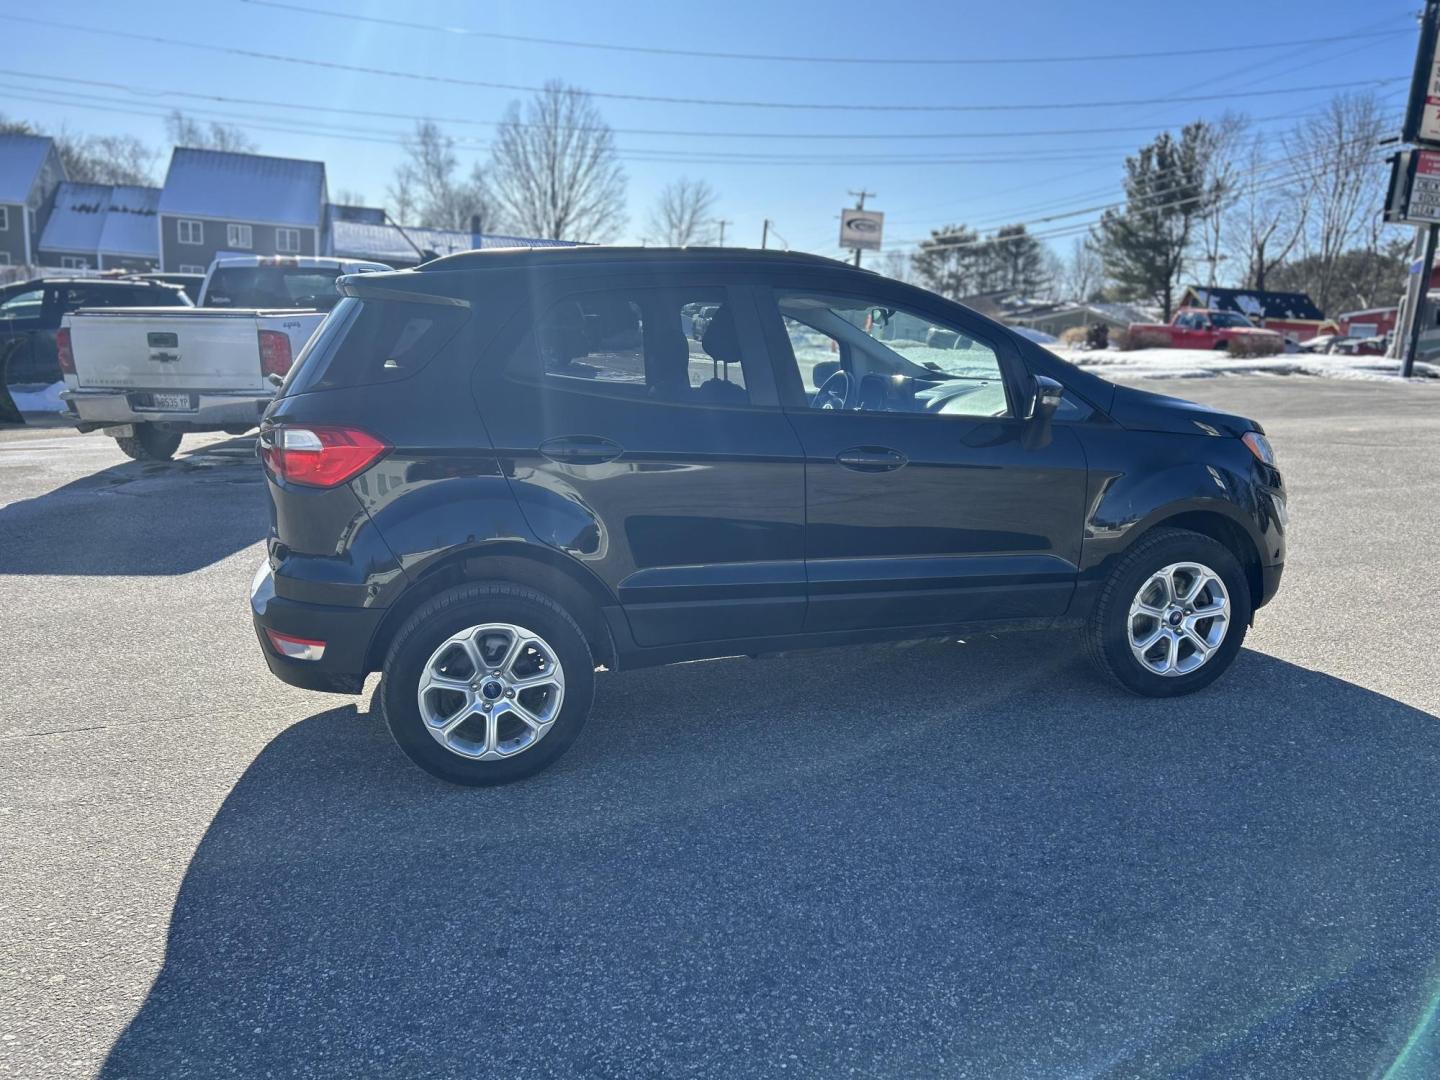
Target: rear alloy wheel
(1172,616)
(150,443)
(487,683)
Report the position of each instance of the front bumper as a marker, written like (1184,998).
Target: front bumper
(210,409)
(346,632)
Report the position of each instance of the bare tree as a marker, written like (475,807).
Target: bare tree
(1225,137)
(1334,156)
(348,197)
(1266,220)
(186,131)
(896,264)
(1084,273)
(555,172)
(426,192)
(683,214)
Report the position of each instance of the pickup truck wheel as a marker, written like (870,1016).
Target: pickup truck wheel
(150,443)
(1222,346)
(1172,615)
(487,683)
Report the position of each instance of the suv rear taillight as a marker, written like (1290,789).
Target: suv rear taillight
(64,353)
(319,456)
(275,356)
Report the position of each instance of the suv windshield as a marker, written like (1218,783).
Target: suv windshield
(292,287)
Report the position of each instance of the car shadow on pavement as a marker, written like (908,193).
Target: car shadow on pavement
(960,859)
(141,518)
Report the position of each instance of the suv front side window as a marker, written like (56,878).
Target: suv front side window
(853,354)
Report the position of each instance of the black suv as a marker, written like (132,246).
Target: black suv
(492,474)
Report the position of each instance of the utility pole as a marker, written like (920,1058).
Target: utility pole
(860,197)
(722,223)
(764,233)
(1417,318)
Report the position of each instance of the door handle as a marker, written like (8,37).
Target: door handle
(580,450)
(871,459)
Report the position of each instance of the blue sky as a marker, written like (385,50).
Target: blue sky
(799,183)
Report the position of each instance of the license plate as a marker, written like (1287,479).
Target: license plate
(170,402)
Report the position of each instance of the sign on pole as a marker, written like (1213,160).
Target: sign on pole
(1422,115)
(1414,195)
(861,230)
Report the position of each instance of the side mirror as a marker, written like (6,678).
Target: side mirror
(1046,397)
(823,372)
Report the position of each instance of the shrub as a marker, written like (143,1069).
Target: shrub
(1256,345)
(1074,337)
(1143,338)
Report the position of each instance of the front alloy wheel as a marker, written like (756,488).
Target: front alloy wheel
(1179,618)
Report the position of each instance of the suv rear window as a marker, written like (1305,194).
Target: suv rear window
(291,287)
(373,341)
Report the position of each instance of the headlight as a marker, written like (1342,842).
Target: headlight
(1259,446)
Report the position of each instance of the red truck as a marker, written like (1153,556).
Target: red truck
(1198,328)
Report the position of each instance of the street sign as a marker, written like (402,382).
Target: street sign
(1414,195)
(1422,115)
(861,230)
(1424,201)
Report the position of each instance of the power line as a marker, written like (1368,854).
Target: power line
(693,132)
(333,65)
(1070,58)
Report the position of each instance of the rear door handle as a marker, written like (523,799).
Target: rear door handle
(580,450)
(871,459)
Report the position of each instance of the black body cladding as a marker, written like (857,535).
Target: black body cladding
(632,433)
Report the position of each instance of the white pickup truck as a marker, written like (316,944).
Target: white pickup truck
(146,376)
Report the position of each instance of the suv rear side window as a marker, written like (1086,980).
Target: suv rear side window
(372,341)
(678,345)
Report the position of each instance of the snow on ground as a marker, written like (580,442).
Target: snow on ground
(30,397)
(1206,364)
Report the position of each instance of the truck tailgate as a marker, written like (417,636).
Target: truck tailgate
(170,349)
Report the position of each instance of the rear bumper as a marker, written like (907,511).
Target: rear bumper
(210,409)
(346,632)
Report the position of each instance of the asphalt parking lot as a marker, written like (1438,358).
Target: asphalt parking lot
(963,860)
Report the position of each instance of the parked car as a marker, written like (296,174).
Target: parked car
(495,472)
(1198,328)
(146,376)
(31,313)
(191,283)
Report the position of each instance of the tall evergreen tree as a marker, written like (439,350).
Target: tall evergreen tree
(947,262)
(1143,245)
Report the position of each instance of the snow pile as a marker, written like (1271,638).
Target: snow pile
(37,399)
(1207,364)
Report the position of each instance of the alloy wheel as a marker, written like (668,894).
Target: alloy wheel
(491,691)
(1178,619)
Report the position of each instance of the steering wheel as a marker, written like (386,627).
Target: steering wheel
(834,393)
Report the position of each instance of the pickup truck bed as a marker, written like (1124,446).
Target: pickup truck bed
(192,369)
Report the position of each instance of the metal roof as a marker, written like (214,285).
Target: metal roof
(77,219)
(385,243)
(20,159)
(244,187)
(1258,304)
(130,224)
(100,218)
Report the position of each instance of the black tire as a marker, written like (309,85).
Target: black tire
(1107,637)
(474,605)
(1222,346)
(150,443)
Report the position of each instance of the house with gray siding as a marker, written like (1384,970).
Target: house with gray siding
(102,227)
(216,202)
(30,171)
